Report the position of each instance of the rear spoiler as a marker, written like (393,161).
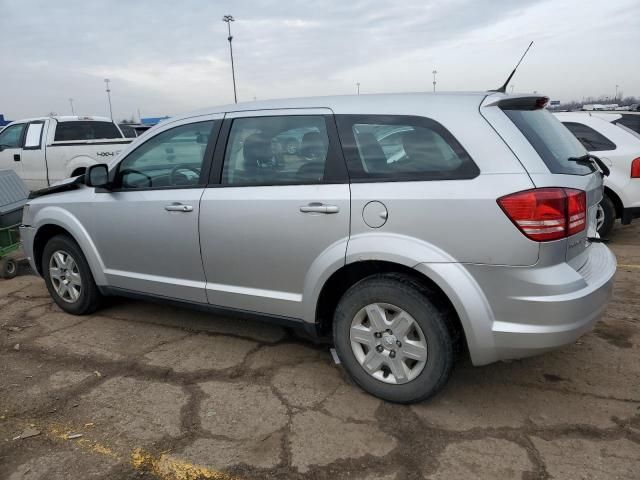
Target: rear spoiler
(520,103)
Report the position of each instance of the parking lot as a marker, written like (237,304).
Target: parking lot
(146,391)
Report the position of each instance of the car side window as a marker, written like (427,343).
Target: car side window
(589,138)
(33,138)
(389,147)
(276,150)
(11,137)
(630,121)
(173,158)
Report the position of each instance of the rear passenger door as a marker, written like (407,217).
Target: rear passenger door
(276,211)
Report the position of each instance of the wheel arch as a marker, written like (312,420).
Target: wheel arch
(350,274)
(60,222)
(615,198)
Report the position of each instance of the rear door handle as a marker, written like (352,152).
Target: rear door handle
(316,207)
(16,157)
(178,207)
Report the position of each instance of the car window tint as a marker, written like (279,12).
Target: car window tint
(590,139)
(276,150)
(173,158)
(402,148)
(128,131)
(85,130)
(630,121)
(11,136)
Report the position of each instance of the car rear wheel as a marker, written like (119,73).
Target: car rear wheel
(606,216)
(68,277)
(393,339)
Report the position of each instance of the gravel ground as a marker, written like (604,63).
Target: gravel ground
(162,393)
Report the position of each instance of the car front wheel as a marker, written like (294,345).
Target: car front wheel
(393,339)
(68,277)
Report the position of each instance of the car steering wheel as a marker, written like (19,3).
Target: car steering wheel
(128,171)
(177,168)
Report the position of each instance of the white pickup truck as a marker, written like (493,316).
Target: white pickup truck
(43,151)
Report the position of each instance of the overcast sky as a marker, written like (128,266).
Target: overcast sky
(168,57)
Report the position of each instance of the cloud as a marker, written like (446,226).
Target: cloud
(169,57)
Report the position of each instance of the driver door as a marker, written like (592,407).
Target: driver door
(146,227)
(11,148)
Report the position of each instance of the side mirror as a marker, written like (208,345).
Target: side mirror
(97,176)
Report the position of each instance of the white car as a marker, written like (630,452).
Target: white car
(619,148)
(43,151)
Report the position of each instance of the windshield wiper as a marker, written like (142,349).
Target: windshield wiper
(592,161)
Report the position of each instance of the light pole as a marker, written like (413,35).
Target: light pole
(512,88)
(108,90)
(434,79)
(229,19)
(617,92)
(358,88)
(71,103)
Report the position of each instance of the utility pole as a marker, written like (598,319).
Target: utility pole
(434,79)
(108,90)
(71,103)
(358,88)
(228,19)
(512,88)
(617,92)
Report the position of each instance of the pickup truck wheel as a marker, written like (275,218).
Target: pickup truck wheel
(606,216)
(392,339)
(68,277)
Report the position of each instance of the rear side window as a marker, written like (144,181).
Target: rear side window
(276,151)
(551,140)
(85,130)
(128,131)
(630,121)
(589,138)
(402,148)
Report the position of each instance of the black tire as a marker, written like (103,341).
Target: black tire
(8,268)
(90,298)
(609,211)
(412,297)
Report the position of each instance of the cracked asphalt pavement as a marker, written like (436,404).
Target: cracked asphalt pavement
(140,390)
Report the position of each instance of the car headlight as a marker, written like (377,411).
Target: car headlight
(25,214)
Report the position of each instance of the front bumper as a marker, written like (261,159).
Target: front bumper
(628,214)
(536,309)
(27,235)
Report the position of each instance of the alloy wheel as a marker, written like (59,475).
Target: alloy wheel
(65,276)
(599,217)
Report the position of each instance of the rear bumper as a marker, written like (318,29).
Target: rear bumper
(628,214)
(26,237)
(530,310)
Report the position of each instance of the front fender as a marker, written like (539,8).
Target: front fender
(52,215)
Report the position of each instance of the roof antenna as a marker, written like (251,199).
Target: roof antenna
(503,88)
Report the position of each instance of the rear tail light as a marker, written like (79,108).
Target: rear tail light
(635,168)
(545,214)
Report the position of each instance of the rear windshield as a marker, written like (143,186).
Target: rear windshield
(553,141)
(86,130)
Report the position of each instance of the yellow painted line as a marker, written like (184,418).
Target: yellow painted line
(628,266)
(163,466)
(169,468)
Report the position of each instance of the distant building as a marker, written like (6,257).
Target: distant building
(4,122)
(151,121)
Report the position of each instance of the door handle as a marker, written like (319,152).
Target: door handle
(16,157)
(316,207)
(178,207)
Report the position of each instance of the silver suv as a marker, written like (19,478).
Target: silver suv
(407,226)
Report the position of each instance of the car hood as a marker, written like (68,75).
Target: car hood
(61,186)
